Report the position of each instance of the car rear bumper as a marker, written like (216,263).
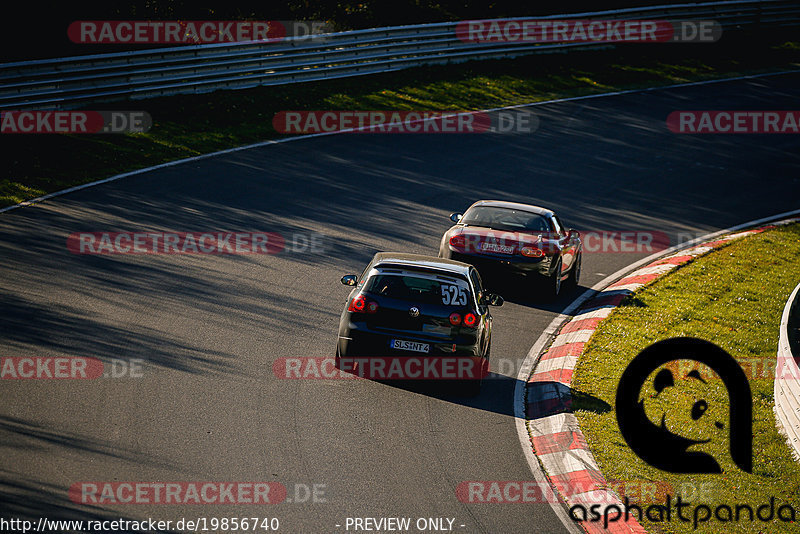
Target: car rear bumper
(499,264)
(368,355)
(363,342)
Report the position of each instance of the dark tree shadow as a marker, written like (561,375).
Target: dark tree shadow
(551,398)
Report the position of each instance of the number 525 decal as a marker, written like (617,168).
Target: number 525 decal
(453,295)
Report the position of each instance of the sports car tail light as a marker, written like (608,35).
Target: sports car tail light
(470,320)
(458,241)
(455,319)
(358,304)
(531,252)
(362,304)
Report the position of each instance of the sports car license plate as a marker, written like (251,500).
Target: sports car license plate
(497,248)
(414,346)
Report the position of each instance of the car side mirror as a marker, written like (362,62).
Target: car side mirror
(350,279)
(493,300)
(574,234)
(455,217)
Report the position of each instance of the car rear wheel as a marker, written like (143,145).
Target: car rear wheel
(344,363)
(552,284)
(575,275)
(338,359)
(472,388)
(340,366)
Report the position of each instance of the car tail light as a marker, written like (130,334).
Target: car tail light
(531,252)
(455,319)
(358,304)
(458,241)
(361,304)
(471,320)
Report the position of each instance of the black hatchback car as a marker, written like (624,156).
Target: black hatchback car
(511,238)
(421,314)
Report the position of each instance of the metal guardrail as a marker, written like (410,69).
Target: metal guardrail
(787,372)
(75,81)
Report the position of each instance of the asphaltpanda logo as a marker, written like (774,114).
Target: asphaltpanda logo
(666,445)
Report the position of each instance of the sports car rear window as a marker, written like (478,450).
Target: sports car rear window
(505,219)
(424,290)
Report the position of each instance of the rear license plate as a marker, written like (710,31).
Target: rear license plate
(497,248)
(413,346)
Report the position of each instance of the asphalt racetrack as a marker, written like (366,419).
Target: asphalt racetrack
(206,405)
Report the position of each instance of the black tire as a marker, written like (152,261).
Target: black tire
(340,365)
(338,359)
(552,284)
(472,388)
(575,275)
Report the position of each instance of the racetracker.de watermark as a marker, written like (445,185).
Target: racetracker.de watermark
(778,367)
(593,241)
(50,368)
(524,31)
(624,241)
(193,31)
(402,121)
(614,501)
(74,122)
(177,493)
(381,368)
(734,122)
(209,242)
(590,491)
(68,367)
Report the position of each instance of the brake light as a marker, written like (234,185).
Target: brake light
(361,304)
(470,320)
(358,304)
(458,241)
(455,319)
(531,252)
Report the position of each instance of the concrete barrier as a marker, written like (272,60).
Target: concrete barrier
(787,373)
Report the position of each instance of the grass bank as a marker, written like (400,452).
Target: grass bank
(733,297)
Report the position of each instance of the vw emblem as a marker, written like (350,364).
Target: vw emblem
(414,312)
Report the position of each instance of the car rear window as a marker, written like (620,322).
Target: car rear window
(505,219)
(421,289)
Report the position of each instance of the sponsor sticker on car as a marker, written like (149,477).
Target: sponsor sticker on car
(413,346)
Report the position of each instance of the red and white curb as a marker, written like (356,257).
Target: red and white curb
(555,435)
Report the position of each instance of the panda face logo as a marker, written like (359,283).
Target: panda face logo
(665,417)
(686,403)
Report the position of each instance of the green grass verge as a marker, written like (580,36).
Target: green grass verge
(187,126)
(733,297)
